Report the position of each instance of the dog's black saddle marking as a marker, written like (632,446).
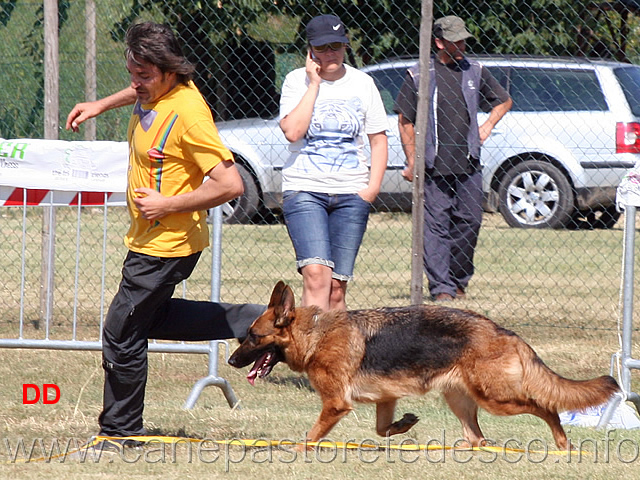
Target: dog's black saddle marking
(412,340)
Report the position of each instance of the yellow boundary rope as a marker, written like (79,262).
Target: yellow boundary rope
(261,443)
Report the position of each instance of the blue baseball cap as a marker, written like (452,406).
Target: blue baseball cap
(325,29)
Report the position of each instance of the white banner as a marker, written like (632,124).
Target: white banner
(68,166)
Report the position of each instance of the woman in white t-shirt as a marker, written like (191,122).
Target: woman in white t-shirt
(326,109)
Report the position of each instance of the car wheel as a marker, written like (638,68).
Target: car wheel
(536,194)
(245,207)
(597,219)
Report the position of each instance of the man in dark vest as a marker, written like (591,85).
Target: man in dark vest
(458,89)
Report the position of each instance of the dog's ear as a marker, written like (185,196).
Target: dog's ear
(276,295)
(285,311)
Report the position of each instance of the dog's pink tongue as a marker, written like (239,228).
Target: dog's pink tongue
(255,370)
(253,374)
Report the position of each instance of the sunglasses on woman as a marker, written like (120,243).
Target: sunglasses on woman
(335,46)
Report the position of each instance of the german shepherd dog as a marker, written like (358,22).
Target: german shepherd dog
(378,356)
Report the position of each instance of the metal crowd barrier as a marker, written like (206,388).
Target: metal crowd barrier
(624,358)
(17,339)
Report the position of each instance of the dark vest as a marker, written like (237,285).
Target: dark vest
(471,78)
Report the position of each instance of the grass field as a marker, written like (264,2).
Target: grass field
(558,289)
(279,408)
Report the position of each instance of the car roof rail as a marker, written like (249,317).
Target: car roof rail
(514,56)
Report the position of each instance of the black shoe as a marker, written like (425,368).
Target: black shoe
(112,444)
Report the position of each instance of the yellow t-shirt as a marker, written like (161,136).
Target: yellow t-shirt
(173,144)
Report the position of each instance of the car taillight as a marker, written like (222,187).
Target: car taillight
(627,137)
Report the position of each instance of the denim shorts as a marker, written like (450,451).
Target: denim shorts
(326,229)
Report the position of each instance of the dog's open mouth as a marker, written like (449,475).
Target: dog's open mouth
(263,366)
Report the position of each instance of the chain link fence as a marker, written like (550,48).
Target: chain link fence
(567,142)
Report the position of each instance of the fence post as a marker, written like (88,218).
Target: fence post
(51,113)
(90,76)
(417,212)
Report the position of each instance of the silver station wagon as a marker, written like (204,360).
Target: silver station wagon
(554,161)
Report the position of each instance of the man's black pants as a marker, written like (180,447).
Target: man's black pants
(143,308)
(452,219)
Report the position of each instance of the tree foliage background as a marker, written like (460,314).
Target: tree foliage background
(243,48)
(385,28)
(221,35)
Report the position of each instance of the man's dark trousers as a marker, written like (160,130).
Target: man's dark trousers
(143,308)
(452,219)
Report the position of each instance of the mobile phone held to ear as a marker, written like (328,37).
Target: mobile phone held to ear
(313,55)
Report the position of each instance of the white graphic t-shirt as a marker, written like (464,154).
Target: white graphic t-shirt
(331,158)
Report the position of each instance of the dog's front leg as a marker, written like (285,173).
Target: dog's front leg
(385,426)
(333,409)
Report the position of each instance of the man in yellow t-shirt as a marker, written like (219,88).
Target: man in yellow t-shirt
(173,146)
(169,158)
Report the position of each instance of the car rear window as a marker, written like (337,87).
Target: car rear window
(629,78)
(555,90)
(389,81)
(501,74)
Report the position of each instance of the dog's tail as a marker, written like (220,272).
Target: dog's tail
(556,393)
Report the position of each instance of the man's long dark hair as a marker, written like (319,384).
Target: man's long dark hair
(156,44)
